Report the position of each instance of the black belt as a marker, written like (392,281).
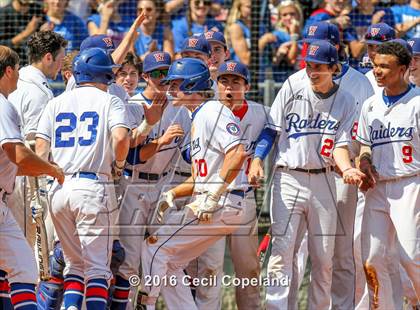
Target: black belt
(314,171)
(145,176)
(240,193)
(183,174)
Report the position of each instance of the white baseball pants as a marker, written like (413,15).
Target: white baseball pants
(84,212)
(16,256)
(391,222)
(301,202)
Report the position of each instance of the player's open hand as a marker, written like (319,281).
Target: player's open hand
(57,173)
(171,133)
(256,173)
(353,176)
(153,112)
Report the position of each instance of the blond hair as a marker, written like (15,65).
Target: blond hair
(285,4)
(8,58)
(234,15)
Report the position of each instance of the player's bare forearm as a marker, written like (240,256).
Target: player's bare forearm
(120,143)
(365,151)
(136,138)
(27,161)
(184,189)
(233,163)
(148,150)
(404,27)
(42,148)
(342,158)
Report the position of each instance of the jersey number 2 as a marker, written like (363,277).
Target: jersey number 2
(327,147)
(70,118)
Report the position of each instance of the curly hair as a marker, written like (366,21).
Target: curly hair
(8,58)
(396,49)
(44,42)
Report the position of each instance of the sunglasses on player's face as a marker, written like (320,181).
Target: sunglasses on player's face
(156,74)
(205,2)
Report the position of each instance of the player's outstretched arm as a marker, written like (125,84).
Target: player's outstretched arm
(233,163)
(30,164)
(350,175)
(130,37)
(120,143)
(365,165)
(185,189)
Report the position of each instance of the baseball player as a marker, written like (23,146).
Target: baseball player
(314,122)
(46,53)
(414,70)
(233,82)
(17,261)
(389,134)
(346,290)
(217,155)
(148,171)
(210,263)
(375,35)
(86,131)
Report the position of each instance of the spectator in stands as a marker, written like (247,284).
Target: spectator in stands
(331,10)
(284,38)
(238,31)
(67,66)
(108,21)
(128,75)
(177,8)
(153,35)
(196,22)
(18,21)
(407,18)
(70,26)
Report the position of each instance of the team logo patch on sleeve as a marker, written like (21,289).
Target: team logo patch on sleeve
(233,129)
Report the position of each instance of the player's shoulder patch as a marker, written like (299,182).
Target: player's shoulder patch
(233,129)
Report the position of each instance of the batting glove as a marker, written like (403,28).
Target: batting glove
(37,211)
(206,209)
(166,201)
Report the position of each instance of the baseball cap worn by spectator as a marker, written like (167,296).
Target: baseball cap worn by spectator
(100,40)
(322,52)
(322,31)
(232,67)
(379,33)
(215,36)
(157,64)
(415,45)
(196,44)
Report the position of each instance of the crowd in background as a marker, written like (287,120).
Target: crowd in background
(169,22)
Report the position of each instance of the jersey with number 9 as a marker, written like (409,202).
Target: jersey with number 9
(392,133)
(78,125)
(214,131)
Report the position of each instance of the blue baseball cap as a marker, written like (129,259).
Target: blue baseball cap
(102,41)
(415,45)
(196,44)
(322,52)
(156,60)
(403,43)
(379,33)
(322,31)
(215,36)
(232,67)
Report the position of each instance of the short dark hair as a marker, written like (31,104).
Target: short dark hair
(396,49)
(8,58)
(133,60)
(44,42)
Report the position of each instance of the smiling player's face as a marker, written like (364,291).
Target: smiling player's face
(415,70)
(387,70)
(319,74)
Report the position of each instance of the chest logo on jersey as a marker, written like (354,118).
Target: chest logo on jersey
(309,126)
(388,134)
(233,129)
(195,147)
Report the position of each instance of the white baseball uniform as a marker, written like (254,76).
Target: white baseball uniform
(348,276)
(214,132)
(243,243)
(144,181)
(310,128)
(392,209)
(30,98)
(78,124)
(16,256)
(113,89)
